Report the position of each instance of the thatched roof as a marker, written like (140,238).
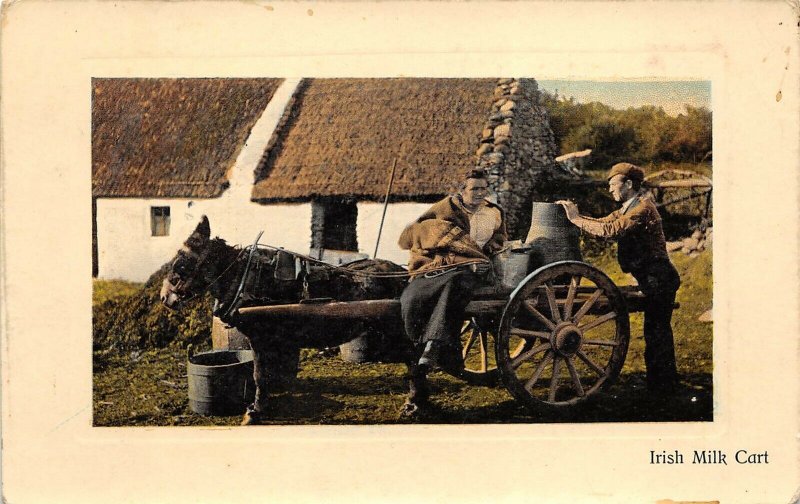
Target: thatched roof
(341,136)
(171,137)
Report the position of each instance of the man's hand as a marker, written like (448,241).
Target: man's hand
(571,209)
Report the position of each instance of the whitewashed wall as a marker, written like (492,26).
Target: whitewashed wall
(126,250)
(398,215)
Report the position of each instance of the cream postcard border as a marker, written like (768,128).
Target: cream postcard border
(50,52)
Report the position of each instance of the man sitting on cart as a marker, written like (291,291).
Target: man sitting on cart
(450,246)
(641,251)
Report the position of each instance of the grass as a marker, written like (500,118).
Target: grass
(149,386)
(107,290)
(693,339)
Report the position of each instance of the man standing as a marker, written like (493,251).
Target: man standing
(641,251)
(450,245)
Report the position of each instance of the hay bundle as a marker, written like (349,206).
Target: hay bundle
(139,321)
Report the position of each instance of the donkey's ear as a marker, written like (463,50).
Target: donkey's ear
(204,228)
(200,235)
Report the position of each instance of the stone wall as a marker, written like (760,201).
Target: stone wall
(517,149)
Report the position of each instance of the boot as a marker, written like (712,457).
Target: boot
(430,356)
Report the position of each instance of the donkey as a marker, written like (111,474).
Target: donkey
(213,265)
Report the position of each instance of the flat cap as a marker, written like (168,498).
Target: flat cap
(630,171)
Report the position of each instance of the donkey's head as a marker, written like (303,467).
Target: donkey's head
(187,275)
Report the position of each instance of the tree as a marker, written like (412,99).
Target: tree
(641,135)
(690,136)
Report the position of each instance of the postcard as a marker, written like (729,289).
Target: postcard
(351,251)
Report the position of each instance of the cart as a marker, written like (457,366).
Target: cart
(560,336)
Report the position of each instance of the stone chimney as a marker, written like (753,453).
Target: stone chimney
(517,149)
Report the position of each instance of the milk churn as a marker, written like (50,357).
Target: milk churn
(512,264)
(552,237)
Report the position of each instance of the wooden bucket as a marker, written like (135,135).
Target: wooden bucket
(220,382)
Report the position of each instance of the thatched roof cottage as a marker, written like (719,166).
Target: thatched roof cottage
(320,156)
(165,151)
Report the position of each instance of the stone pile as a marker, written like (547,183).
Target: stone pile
(516,148)
(693,245)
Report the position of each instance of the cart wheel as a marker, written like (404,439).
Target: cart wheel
(477,351)
(563,336)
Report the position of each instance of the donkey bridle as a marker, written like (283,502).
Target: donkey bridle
(182,285)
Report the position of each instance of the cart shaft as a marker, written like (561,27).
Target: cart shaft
(390,308)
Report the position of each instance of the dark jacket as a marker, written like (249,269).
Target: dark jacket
(641,247)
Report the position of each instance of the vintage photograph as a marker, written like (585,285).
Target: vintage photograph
(469,252)
(307,251)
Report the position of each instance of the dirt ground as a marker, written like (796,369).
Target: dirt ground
(153,391)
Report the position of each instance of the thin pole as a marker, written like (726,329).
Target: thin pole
(385,205)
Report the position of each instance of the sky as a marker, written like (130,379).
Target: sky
(671,95)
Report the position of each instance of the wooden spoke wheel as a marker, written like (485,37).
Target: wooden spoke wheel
(563,335)
(477,352)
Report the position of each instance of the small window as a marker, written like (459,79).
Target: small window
(159,220)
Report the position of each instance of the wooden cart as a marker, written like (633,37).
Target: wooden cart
(557,338)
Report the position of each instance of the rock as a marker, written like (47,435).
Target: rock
(697,235)
(507,114)
(673,246)
(509,105)
(505,186)
(495,158)
(502,130)
(499,103)
(515,90)
(701,245)
(706,316)
(484,148)
(505,81)
(694,254)
(686,250)
(487,133)
(501,140)
(690,243)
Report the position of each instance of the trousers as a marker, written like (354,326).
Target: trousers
(659,282)
(433,307)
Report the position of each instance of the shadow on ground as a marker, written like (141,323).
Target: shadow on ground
(454,402)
